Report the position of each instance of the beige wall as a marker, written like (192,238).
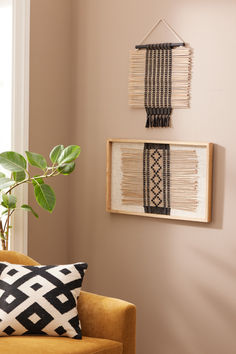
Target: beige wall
(50,114)
(181,275)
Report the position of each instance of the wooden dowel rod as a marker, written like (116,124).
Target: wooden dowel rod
(145,46)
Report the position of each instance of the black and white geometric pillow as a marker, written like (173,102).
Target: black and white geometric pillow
(40,299)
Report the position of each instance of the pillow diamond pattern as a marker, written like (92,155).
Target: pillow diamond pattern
(40,300)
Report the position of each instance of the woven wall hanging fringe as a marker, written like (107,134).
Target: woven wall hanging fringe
(159,79)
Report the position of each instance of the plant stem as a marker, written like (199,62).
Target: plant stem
(7,230)
(30,179)
(18,184)
(27,172)
(4,230)
(2,233)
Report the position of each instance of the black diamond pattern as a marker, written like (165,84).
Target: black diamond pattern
(44,318)
(34,314)
(156,179)
(36,286)
(62,307)
(60,330)
(9,330)
(12,272)
(19,297)
(65,271)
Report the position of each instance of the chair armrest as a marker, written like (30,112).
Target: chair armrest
(16,258)
(106,317)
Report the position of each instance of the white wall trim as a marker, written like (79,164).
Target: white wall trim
(20,110)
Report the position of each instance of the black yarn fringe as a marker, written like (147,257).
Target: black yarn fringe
(158,117)
(158,121)
(157,210)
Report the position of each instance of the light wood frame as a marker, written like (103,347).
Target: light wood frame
(208,195)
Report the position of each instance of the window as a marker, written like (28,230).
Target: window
(5,73)
(14,95)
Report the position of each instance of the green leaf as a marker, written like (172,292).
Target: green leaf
(4,200)
(12,201)
(4,211)
(6,182)
(66,168)
(2,175)
(9,201)
(37,180)
(28,208)
(45,196)
(69,154)
(55,153)
(18,176)
(12,161)
(36,160)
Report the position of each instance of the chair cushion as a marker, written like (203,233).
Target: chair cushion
(40,299)
(58,345)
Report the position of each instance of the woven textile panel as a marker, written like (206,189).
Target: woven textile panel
(160,179)
(159,81)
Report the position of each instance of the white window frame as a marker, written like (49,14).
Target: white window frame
(20,111)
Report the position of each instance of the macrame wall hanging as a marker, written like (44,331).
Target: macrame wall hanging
(159,78)
(160,179)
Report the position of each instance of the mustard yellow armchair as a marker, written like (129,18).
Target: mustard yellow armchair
(108,326)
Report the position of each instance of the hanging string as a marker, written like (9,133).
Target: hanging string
(156,25)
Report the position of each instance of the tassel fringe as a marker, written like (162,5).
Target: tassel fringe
(158,117)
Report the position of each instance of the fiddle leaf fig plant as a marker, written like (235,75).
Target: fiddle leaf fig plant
(62,163)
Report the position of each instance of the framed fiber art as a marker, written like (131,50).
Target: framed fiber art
(160,179)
